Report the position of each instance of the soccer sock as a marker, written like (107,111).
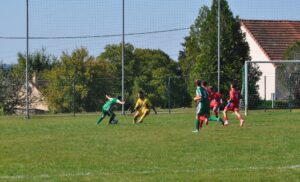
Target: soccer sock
(212,118)
(197,124)
(225,118)
(202,118)
(100,119)
(112,118)
(240,118)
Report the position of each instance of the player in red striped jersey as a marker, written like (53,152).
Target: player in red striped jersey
(233,105)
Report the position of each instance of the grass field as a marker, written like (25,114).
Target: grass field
(163,148)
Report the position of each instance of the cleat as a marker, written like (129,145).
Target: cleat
(195,131)
(225,123)
(221,121)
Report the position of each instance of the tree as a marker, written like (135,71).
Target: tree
(75,82)
(10,83)
(288,74)
(200,48)
(153,74)
(148,70)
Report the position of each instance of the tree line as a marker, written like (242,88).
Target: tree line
(85,79)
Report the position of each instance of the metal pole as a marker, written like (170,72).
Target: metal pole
(265,91)
(219,53)
(169,99)
(290,94)
(27,58)
(246,88)
(74,96)
(123,42)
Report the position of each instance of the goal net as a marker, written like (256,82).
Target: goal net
(271,85)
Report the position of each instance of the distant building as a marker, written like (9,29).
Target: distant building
(268,39)
(37,102)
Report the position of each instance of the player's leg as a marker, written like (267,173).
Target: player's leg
(197,121)
(225,117)
(136,116)
(215,110)
(202,119)
(143,115)
(112,117)
(242,122)
(197,124)
(104,113)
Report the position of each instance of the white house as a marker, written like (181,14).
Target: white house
(268,39)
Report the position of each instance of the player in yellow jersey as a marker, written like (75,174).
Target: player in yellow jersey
(142,108)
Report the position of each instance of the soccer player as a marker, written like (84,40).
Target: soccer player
(216,101)
(142,108)
(233,105)
(107,109)
(211,98)
(202,105)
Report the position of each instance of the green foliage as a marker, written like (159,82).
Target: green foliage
(78,82)
(199,57)
(148,70)
(11,81)
(289,74)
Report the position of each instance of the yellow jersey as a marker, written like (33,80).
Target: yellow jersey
(142,104)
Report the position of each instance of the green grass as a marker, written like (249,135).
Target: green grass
(163,148)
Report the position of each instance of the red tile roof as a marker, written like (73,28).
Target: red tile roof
(273,36)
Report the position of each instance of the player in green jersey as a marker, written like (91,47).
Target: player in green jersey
(107,109)
(202,105)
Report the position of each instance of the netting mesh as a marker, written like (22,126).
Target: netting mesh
(277,87)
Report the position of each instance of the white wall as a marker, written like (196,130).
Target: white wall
(268,70)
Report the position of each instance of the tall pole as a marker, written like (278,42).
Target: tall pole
(123,42)
(27,57)
(219,53)
(246,88)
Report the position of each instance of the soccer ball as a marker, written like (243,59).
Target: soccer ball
(114,121)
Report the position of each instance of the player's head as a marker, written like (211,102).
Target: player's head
(233,85)
(204,83)
(141,94)
(198,83)
(119,97)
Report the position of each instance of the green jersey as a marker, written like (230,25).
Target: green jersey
(201,92)
(111,102)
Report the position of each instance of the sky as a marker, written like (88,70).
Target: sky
(60,18)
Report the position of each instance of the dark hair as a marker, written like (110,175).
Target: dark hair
(119,97)
(141,92)
(204,83)
(198,82)
(233,85)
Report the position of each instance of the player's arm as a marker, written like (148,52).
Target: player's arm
(197,98)
(137,105)
(108,97)
(120,102)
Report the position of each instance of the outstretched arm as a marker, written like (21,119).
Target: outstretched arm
(108,97)
(121,102)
